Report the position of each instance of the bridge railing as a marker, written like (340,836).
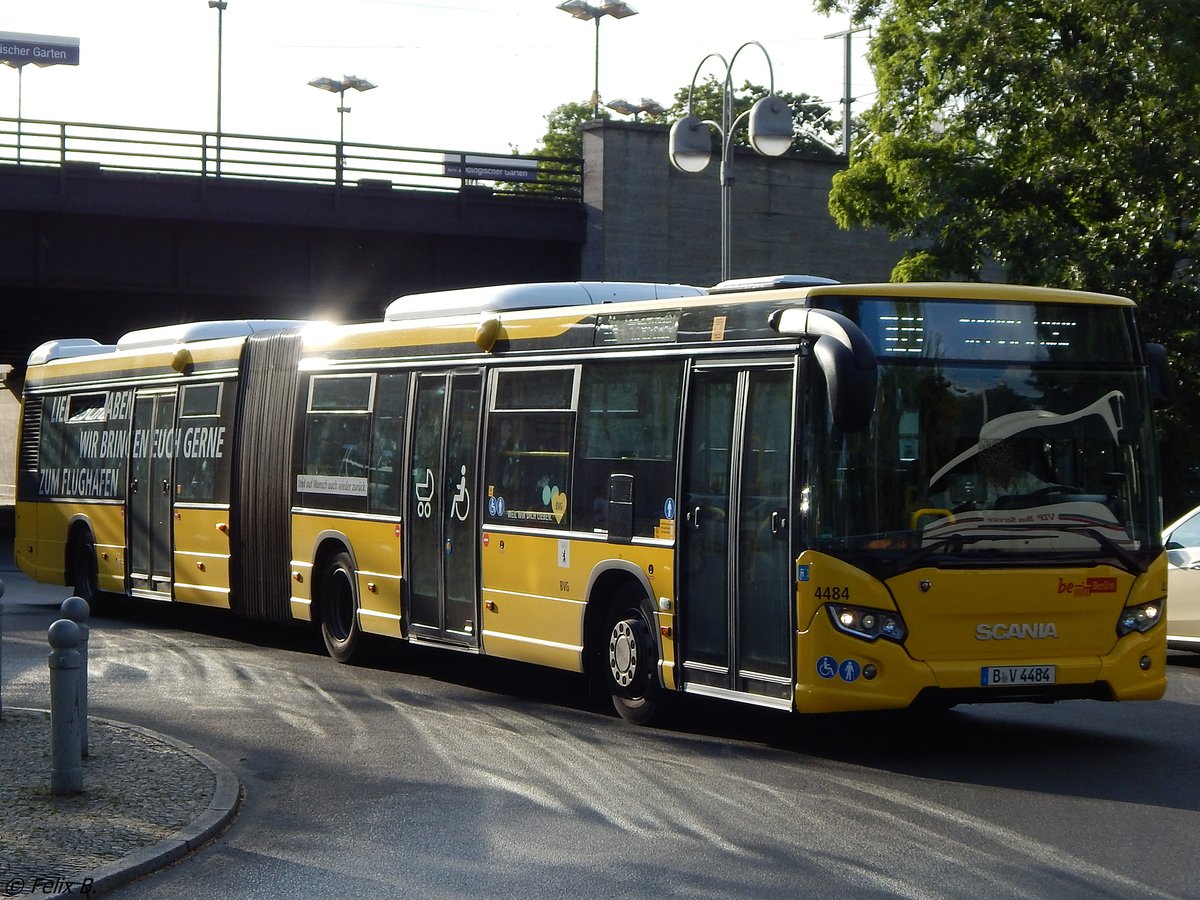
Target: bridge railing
(39,142)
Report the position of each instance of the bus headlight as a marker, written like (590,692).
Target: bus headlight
(867,624)
(1139,618)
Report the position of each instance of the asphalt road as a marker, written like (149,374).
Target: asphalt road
(437,774)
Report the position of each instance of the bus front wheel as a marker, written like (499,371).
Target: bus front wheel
(339,609)
(631,666)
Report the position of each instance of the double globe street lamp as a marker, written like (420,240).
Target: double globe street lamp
(771,123)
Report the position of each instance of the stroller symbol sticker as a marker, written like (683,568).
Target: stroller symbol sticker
(424,491)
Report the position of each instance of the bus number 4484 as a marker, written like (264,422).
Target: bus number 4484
(833,593)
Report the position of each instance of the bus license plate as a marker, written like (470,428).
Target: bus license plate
(1023,676)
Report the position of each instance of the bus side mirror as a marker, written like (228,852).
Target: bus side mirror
(1162,381)
(620,508)
(846,358)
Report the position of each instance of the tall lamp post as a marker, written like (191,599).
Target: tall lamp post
(340,87)
(219,6)
(581,9)
(770,128)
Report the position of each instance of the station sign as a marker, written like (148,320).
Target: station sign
(490,168)
(19,50)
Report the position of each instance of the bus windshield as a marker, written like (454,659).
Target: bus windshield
(1006,434)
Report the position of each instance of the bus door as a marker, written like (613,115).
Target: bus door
(149,507)
(735,604)
(441,533)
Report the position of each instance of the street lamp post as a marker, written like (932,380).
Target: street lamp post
(770,127)
(585,11)
(219,6)
(340,87)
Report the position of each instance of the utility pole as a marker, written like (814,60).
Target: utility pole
(847,98)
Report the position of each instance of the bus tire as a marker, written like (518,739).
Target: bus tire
(83,573)
(339,609)
(630,665)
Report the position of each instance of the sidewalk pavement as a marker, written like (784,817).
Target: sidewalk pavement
(148,800)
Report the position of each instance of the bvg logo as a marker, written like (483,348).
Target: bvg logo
(1088,586)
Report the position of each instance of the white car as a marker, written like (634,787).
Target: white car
(1182,540)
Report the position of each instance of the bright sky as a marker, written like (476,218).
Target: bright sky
(468,75)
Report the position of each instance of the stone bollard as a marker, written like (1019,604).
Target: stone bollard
(77,610)
(66,769)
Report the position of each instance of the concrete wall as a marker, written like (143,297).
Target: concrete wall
(646,221)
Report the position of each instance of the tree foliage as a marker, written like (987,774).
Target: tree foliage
(1053,139)
(562,141)
(562,137)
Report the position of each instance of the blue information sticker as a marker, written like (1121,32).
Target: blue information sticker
(669,508)
(827,667)
(802,572)
(850,670)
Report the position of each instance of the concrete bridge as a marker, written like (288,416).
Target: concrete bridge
(104,229)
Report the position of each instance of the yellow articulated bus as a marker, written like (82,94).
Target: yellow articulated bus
(783,491)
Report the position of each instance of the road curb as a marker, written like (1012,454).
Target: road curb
(222,808)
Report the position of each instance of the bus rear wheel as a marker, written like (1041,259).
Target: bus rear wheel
(339,609)
(82,572)
(631,666)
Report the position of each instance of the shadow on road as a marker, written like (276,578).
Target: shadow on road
(1129,752)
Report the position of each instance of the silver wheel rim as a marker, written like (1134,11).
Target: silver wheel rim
(623,654)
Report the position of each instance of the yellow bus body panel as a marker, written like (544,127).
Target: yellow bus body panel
(40,541)
(534,591)
(202,557)
(942,609)
(374,547)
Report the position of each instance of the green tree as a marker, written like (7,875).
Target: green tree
(563,137)
(563,143)
(1053,139)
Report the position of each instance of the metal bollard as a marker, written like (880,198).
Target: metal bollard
(77,610)
(66,769)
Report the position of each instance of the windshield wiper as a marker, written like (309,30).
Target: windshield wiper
(1126,556)
(953,542)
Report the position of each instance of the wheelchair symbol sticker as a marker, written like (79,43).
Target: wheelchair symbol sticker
(848,670)
(460,508)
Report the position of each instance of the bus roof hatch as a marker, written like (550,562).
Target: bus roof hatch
(502,297)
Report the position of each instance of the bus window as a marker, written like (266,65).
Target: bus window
(337,441)
(387,435)
(629,425)
(203,448)
(531,430)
